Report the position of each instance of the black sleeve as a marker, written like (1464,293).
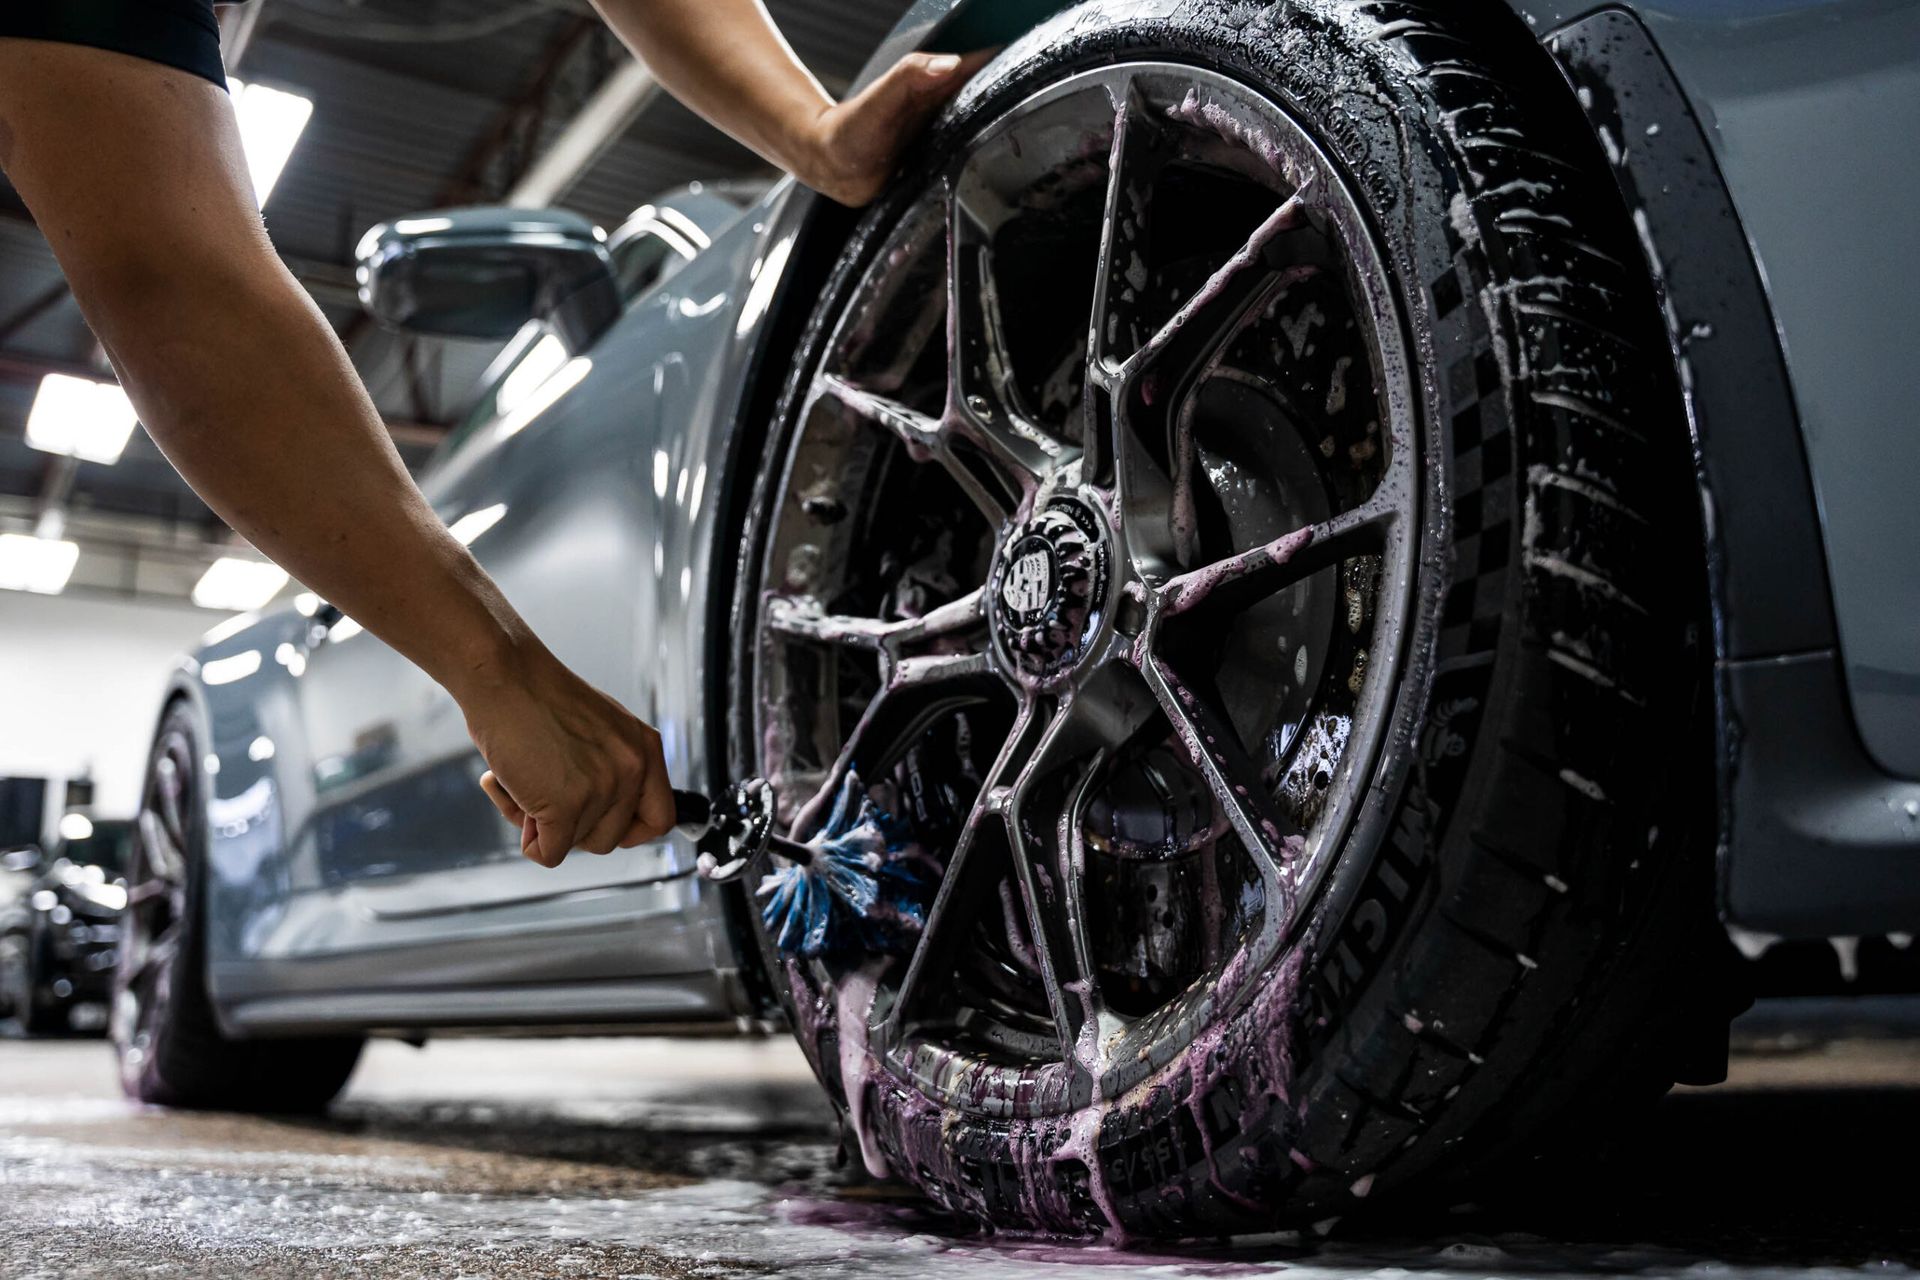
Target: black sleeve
(177,33)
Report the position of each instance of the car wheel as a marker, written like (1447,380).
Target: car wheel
(1232,500)
(171,1047)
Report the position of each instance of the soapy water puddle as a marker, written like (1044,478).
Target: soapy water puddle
(602,1159)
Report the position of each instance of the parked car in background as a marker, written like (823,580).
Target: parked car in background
(60,921)
(1358,538)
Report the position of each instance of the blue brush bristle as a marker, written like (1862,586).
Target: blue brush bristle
(865,892)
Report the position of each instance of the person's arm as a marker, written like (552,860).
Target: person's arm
(726,60)
(135,174)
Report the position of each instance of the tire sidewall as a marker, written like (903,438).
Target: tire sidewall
(181,990)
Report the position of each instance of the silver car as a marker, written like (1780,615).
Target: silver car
(1359,537)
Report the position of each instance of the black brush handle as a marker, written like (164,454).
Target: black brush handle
(692,813)
(791,850)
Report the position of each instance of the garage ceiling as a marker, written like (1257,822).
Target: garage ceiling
(417,104)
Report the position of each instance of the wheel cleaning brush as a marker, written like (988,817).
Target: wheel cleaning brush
(862,885)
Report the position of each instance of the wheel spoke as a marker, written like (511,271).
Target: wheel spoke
(1048,859)
(984,407)
(1229,585)
(917,691)
(927,439)
(149,957)
(949,911)
(801,619)
(919,432)
(1118,325)
(1146,405)
(1213,745)
(168,786)
(1185,344)
(162,853)
(158,889)
(1058,947)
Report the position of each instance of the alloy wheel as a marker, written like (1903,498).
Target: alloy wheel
(157,904)
(1066,560)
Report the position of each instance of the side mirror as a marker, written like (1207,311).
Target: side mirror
(485,272)
(25,858)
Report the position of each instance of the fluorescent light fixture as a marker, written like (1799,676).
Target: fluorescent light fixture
(307,604)
(81,418)
(345,629)
(40,565)
(260,749)
(227,670)
(271,121)
(232,582)
(75,826)
(543,359)
(541,399)
(474,523)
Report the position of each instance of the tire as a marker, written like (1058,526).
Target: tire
(165,1031)
(1512,925)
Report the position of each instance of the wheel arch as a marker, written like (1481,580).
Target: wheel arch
(800,242)
(228,720)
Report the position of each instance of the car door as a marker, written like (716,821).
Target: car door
(543,484)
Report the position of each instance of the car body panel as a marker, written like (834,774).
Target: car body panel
(1811,107)
(1818,837)
(357,853)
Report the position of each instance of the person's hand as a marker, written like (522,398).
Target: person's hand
(853,148)
(567,764)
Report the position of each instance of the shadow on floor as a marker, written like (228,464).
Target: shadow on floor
(1810,1176)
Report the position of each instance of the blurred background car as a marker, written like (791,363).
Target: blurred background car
(60,913)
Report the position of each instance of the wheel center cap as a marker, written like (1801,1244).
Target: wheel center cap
(1049,581)
(1032,575)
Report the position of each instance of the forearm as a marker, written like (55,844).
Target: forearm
(297,461)
(235,373)
(136,175)
(726,60)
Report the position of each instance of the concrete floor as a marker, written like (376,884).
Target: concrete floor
(652,1158)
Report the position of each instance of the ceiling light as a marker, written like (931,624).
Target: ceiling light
(271,121)
(232,582)
(80,417)
(43,565)
(474,523)
(75,826)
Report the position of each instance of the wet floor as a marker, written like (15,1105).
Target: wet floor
(654,1158)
